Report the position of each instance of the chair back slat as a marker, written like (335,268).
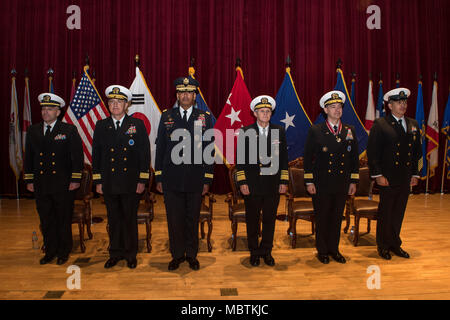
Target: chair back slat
(297,182)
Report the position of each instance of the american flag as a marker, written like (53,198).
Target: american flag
(84,111)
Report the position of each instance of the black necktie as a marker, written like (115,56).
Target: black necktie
(335,129)
(401,125)
(47,131)
(185,116)
(117,125)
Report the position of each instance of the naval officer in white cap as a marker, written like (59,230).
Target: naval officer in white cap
(262,191)
(121,168)
(53,165)
(393,151)
(331,172)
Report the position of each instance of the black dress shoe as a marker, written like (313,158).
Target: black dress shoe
(46,259)
(131,263)
(384,253)
(400,252)
(175,263)
(193,263)
(111,262)
(269,260)
(338,257)
(62,260)
(254,260)
(323,258)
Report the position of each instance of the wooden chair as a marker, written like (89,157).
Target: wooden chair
(298,209)
(82,209)
(206,215)
(236,206)
(361,204)
(362,164)
(146,213)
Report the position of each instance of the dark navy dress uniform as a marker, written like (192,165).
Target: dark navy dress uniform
(393,153)
(182,182)
(263,187)
(264,191)
(121,160)
(331,162)
(52,162)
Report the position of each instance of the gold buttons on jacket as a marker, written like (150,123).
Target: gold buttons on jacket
(125,159)
(112,149)
(124,169)
(124,149)
(342,163)
(41,154)
(112,169)
(53,154)
(396,163)
(329,171)
(41,163)
(42,172)
(112,159)
(331,154)
(398,153)
(53,171)
(53,163)
(330,162)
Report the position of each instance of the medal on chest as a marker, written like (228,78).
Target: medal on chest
(336,134)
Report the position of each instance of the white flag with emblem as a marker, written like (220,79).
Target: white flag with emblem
(144,107)
(432,132)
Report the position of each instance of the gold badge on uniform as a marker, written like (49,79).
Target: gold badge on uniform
(186,81)
(46,98)
(324,149)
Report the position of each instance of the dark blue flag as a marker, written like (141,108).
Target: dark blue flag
(420,117)
(290,114)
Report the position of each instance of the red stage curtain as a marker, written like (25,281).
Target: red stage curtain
(413,39)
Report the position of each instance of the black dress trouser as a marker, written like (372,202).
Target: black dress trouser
(328,210)
(254,204)
(55,213)
(391,210)
(123,228)
(183,213)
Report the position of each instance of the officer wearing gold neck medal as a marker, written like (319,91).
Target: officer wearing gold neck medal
(331,165)
(53,164)
(120,167)
(183,183)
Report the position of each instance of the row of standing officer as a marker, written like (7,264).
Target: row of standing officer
(121,168)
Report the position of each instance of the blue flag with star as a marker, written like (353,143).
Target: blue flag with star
(290,114)
(349,115)
(420,118)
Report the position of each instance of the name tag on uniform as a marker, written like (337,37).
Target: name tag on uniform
(198,123)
